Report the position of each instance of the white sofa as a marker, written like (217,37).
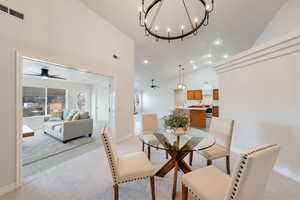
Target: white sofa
(68,130)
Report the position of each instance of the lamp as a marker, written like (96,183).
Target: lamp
(55,107)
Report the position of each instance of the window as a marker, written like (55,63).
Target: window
(34,101)
(81,101)
(42,101)
(56,99)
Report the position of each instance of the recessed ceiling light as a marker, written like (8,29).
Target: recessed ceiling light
(225,55)
(209,62)
(192,61)
(209,55)
(146,62)
(195,67)
(218,42)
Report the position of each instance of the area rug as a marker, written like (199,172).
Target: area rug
(42,146)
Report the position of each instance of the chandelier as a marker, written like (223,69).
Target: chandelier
(180,84)
(148,16)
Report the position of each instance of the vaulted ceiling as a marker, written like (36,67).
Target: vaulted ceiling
(237,23)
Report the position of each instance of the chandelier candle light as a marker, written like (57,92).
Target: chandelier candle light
(184,30)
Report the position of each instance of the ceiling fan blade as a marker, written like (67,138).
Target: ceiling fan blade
(32,74)
(56,77)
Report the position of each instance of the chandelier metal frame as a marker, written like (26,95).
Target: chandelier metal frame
(195,26)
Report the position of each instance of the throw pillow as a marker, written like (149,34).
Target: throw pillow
(76,117)
(70,115)
(66,113)
(84,115)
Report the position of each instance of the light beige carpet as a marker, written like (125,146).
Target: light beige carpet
(87,177)
(42,146)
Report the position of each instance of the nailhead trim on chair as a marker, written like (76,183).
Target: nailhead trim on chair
(243,166)
(133,179)
(112,164)
(109,156)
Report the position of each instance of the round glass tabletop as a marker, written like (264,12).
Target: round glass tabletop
(194,140)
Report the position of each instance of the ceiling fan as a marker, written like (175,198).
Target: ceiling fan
(153,86)
(45,74)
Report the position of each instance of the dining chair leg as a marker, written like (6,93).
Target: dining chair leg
(167,156)
(228,164)
(209,162)
(149,152)
(116,191)
(185,192)
(152,187)
(191,158)
(143,148)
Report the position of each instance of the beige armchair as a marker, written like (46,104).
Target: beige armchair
(128,167)
(247,183)
(222,130)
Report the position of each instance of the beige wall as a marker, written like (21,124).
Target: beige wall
(260,91)
(68,33)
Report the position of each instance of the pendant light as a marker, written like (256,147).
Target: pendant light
(180,84)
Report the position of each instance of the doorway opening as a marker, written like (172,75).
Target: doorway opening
(62,112)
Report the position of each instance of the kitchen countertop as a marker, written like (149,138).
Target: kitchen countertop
(185,108)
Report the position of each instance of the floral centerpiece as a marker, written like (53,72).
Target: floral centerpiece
(177,122)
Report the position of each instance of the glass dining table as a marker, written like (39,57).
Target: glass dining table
(178,147)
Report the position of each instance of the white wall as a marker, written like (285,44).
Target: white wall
(284,22)
(68,33)
(260,91)
(161,100)
(101,95)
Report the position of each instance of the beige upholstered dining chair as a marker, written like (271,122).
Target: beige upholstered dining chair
(149,123)
(222,130)
(247,183)
(128,167)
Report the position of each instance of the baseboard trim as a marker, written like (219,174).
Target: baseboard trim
(7,188)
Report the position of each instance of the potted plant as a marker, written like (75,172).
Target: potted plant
(177,122)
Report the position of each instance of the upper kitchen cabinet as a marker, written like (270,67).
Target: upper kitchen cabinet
(194,95)
(216,94)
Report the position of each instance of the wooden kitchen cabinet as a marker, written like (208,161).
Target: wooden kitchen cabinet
(198,118)
(190,95)
(215,112)
(194,95)
(198,95)
(216,94)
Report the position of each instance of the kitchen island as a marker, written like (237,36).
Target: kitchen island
(196,115)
